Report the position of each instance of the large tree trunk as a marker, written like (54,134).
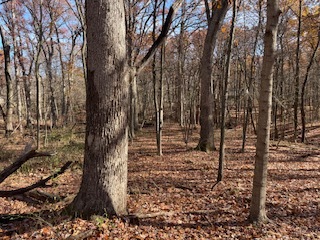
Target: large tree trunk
(206,142)
(258,200)
(104,184)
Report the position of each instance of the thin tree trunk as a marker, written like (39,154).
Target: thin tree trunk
(181,83)
(303,114)
(258,199)
(162,60)
(224,96)
(133,103)
(155,86)
(81,17)
(37,72)
(26,83)
(70,75)
(250,99)
(63,75)
(297,74)
(15,55)
(133,93)
(9,84)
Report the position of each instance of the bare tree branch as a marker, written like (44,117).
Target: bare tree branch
(208,14)
(21,160)
(5,1)
(161,38)
(40,183)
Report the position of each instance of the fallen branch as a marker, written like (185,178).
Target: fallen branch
(38,197)
(183,187)
(21,160)
(41,183)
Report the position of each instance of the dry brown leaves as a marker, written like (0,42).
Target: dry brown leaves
(173,194)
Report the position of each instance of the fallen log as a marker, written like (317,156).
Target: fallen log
(40,183)
(28,154)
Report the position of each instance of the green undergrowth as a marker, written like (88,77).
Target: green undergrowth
(66,144)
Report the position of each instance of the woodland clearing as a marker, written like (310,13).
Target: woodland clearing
(174,196)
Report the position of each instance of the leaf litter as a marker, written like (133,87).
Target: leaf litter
(175,196)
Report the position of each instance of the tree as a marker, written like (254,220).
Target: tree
(302,108)
(224,95)
(48,49)
(9,15)
(26,69)
(157,86)
(214,18)
(104,184)
(137,67)
(9,84)
(79,12)
(37,14)
(250,84)
(181,59)
(258,200)
(297,73)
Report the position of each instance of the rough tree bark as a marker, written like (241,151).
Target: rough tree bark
(215,19)
(104,183)
(258,200)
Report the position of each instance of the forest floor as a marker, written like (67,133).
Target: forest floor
(175,194)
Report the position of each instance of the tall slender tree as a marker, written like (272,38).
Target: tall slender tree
(250,84)
(297,73)
(224,94)
(215,17)
(303,90)
(258,200)
(137,66)
(9,84)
